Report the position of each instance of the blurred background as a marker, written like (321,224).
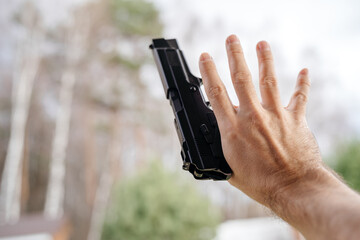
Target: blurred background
(87,144)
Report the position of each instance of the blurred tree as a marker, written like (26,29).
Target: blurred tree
(137,17)
(105,106)
(24,77)
(156,205)
(76,44)
(118,33)
(347,163)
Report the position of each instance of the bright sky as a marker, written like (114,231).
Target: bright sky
(322,35)
(331,28)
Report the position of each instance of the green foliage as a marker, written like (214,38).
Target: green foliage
(135,20)
(156,205)
(128,63)
(136,17)
(348,164)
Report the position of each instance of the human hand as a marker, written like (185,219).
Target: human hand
(274,156)
(268,146)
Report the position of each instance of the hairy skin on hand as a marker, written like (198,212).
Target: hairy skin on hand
(274,156)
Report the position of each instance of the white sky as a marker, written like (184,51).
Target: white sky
(332,28)
(322,35)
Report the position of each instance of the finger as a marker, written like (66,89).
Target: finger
(298,100)
(268,82)
(215,90)
(240,74)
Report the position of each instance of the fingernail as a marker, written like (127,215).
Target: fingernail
(205,57)
(232,39)
(305,71)
(263,46)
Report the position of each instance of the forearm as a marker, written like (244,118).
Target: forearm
(320,207)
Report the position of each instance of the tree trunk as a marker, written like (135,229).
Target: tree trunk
(89,155)
(108,175)
(10,192)
(54,201)
(55,192)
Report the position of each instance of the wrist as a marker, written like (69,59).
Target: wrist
(289,201)
(311,183)
(314,202)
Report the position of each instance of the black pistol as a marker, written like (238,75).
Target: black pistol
(195,122)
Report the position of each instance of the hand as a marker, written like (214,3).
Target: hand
(273,154)
(269,147)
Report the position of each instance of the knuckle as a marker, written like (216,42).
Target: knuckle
(215,91)
(304,82)
(208,67)
(266,57)
(236,49)
(269,81)
(232,135)
(254,116)
(241,77)
(231,130)
(300,95)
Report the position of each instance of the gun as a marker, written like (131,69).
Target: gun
(195,121)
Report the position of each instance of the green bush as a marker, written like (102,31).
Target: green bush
(156,205)
(347,164)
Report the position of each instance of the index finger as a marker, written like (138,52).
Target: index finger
(215,90)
